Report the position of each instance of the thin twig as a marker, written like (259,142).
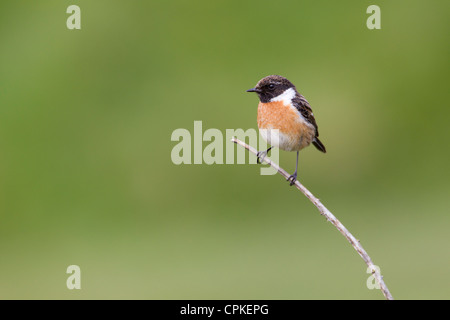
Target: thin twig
(330,217)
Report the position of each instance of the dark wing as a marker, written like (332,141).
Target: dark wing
(305,110)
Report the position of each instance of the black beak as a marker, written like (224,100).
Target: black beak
(254,90)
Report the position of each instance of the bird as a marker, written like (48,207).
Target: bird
(283,108)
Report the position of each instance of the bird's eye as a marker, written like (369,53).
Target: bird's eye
(271,86)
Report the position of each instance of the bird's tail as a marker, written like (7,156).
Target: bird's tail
(319,145)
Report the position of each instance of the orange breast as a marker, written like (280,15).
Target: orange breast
(295,132)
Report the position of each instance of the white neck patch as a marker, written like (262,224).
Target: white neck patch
(286,96)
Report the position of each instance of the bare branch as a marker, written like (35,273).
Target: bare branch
(330,217)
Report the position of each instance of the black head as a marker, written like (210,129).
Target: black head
(271,87)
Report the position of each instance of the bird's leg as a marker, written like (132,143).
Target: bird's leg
(293,177)
(261,155)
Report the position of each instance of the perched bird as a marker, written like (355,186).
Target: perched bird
(281,107)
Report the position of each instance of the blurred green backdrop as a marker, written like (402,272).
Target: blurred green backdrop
(86,176)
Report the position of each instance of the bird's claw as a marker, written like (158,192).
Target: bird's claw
(292,179)
(260,156)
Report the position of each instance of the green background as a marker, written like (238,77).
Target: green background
(86,176)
